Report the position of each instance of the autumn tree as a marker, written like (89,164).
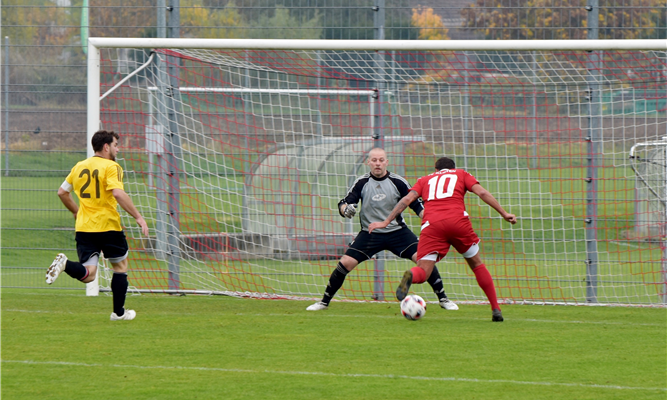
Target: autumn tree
(121,18)
(564,19)
(200,21)
(41,23)
(430,24)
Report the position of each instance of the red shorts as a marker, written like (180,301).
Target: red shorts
(438,236)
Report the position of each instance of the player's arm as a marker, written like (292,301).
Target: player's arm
(124,200)
(66,198)
(403,189)
(417,207)
(347,207)
(399,208)
(488,198)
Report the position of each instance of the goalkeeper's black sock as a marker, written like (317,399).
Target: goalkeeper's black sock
(335,282)
(76,270)
(119,289)
(436,283)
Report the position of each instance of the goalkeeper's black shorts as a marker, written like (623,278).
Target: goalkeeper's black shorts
(402,242)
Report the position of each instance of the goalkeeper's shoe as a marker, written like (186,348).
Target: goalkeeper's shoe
(320,305)
(497,316)
(57,266)
(404,286)
(127,316)
(448,304)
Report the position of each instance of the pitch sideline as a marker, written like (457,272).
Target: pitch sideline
(316,373)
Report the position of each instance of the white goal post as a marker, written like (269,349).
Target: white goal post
(237,151)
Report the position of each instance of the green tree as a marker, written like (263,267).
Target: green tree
(280,24)
(339,19)
(200,21)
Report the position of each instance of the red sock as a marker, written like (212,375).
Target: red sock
(485,281)
(418,275)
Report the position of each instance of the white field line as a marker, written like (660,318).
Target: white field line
(449,316)
(315,373)
(39,311)
(366,316)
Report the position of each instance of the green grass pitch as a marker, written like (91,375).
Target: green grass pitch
(61,345)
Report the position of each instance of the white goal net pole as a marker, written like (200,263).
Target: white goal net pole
(659,190)
(92,126)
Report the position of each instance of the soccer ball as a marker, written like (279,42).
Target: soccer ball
(413,307)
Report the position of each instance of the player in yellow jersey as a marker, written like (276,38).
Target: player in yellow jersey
(98,182)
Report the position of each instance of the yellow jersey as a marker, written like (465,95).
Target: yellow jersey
(93,180)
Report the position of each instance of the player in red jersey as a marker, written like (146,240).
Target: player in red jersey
(446,224)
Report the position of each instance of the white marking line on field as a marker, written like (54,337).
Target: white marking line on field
(378,316)
(618,242)
(389,376)
(39,311)
(449,316)
(590,322)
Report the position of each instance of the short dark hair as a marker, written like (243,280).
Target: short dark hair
(445,163)
(100,138)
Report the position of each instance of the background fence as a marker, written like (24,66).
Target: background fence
(44,74)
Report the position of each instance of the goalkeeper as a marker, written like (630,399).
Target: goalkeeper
(379,191)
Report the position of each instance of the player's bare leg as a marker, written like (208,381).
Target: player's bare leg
(78,271)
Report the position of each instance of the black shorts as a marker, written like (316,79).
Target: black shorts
(402,242)
(112,243)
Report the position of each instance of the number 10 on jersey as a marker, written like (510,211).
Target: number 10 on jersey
(441,186)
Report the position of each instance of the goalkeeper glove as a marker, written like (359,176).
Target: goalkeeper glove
(350,210)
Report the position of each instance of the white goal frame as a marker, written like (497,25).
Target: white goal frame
(95,44)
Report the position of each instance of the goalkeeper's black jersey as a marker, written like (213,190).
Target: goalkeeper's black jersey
(378,197)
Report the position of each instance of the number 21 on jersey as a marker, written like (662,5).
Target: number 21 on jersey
(441,186)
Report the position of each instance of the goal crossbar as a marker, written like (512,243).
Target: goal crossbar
(382,45)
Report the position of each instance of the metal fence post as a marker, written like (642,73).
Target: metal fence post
(378,131)
(593,139)
(6,105)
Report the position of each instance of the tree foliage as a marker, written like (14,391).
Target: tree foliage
(281,24)
(42,23)
(430,24)
(565,19)
(200,21)
(124,18)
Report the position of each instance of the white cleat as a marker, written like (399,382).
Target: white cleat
(317,306)
(128,316)
(448,305)
(57,266)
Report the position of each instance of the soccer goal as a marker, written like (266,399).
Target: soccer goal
(237,152)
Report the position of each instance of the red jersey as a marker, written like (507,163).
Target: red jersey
(442,193)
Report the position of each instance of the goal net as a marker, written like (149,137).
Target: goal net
(237,152)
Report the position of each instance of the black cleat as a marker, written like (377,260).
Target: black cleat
(497,316)
(404,286)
